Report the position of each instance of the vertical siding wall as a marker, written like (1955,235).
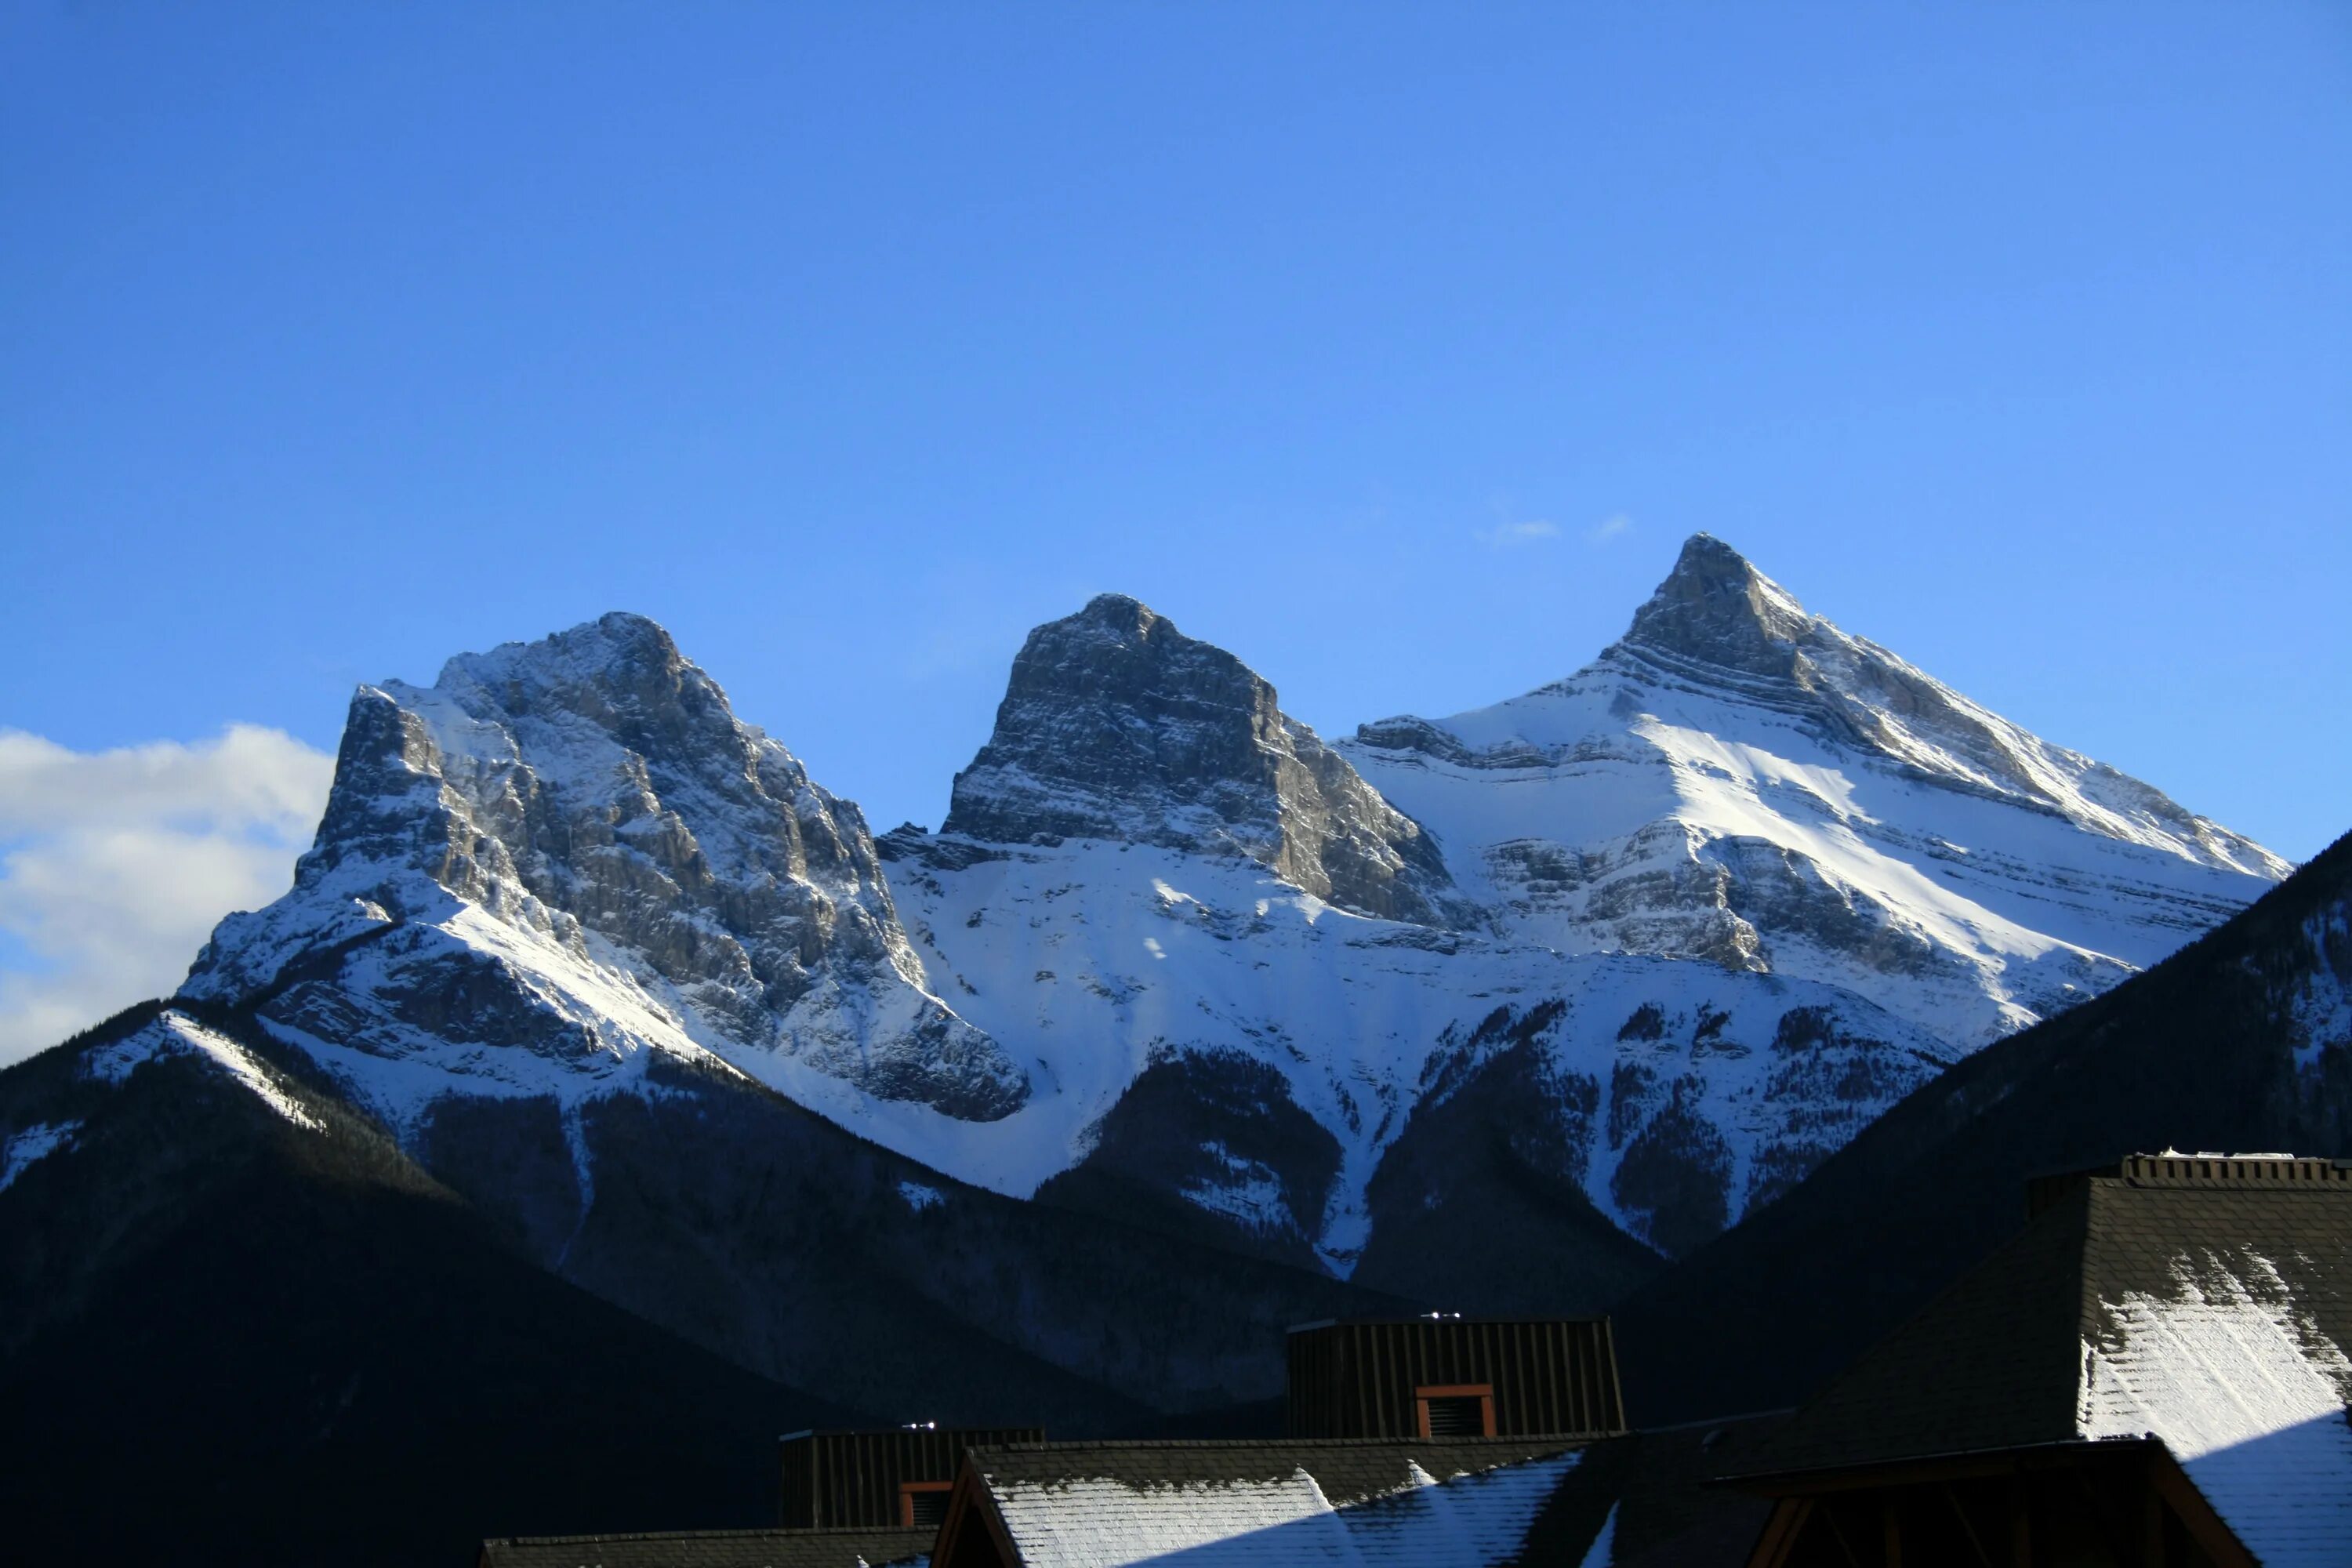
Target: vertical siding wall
(1550,1378)
(835,1478)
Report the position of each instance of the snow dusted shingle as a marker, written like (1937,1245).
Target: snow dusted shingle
(2245,1391)
(1266,1505)
(2199,1302)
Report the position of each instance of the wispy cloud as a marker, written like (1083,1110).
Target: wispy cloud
(1507,535)
(114,865)
(1607,529)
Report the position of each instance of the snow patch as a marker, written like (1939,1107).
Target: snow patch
(35,1143)
(2246,1393)
(1602,1553)
(1245,1190)
(176,1034)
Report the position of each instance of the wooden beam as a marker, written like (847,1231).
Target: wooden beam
(2205,1527)
(1968,1528)
(1828,1516)
(1783,1526)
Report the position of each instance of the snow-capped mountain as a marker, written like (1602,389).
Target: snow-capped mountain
(565,856)
(1741,781)
(1637,950)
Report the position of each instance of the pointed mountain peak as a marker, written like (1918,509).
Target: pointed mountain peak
(1108,703)
(1715,608)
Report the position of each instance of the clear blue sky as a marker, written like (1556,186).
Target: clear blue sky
(851,341)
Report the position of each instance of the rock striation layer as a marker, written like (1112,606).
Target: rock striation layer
(1738,781)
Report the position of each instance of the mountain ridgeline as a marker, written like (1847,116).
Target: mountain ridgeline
(1186,1025)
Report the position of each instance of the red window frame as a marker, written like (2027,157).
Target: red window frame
(906,1491)
(1483,1391)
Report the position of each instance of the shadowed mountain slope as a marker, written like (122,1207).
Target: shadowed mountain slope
(2240,1042)
(237,1325)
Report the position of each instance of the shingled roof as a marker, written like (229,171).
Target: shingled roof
(2202,1301)
(712,1549)
(1458,1503)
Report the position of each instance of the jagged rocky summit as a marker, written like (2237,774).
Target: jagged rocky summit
(565,854)
(1606,966)
(1117,726)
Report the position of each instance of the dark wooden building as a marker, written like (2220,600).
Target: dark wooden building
(1470,1502)
(1448,1376)
(713,1549)
(2151,1374)
(894,1477)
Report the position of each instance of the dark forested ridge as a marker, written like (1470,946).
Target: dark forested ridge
(223,1338)
(249,1326)
(2236,1042)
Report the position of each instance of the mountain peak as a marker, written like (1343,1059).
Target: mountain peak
(1115,725)
(1119,612)
(1717,608)
(615,641)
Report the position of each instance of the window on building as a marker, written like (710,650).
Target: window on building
(1456,1410)
(923,1504)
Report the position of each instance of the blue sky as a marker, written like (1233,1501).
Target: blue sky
(1394,348)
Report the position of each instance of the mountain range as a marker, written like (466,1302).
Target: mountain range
(1185,1025)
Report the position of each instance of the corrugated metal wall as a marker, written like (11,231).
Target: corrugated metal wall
(834,1478)
(1554,1377)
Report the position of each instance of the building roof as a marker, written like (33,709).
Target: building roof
(2168,1296)
(1442,1320)
(712,1549)
(1456,1503)
(1650,1495)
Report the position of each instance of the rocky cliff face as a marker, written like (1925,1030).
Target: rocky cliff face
(566,853)
(1741,781)
(1117,726)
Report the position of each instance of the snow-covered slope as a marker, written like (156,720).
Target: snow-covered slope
(1290,1043)
(1739,781)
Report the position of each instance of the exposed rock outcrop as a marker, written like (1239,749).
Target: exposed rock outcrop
(1117,726)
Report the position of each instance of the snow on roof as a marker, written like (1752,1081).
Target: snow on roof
(1466,1521)
(2247,1393)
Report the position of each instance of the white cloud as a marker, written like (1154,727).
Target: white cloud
(114,865)
(1504,535)
(1607,529)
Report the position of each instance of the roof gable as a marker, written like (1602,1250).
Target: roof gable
(2171,1301)
(1467,1504)
(2218,1325)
